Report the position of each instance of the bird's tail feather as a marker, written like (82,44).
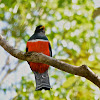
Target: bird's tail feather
(42,80)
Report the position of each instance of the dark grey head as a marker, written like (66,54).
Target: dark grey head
(39,29)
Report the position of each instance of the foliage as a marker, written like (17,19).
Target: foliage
(74,36)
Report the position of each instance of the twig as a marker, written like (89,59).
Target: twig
(8,72)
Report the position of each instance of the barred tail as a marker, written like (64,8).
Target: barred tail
(42,80)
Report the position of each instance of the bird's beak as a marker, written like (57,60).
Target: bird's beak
(42,27)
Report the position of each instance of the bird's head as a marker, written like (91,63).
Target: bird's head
(39,29)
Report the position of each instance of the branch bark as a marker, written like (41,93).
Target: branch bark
(83,70)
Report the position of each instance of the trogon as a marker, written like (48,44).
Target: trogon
(38,42)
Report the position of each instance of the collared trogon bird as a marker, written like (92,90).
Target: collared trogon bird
(38,42)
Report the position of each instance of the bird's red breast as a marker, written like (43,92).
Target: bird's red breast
(40,46)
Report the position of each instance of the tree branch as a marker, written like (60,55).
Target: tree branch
(96,13)
(83,70)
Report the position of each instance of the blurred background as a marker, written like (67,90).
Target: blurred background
(73,29)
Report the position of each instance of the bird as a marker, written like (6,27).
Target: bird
(39,43)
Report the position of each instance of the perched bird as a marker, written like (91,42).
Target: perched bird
(38,42)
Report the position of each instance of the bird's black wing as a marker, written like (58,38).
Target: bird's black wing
(50,49)
(26,49)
